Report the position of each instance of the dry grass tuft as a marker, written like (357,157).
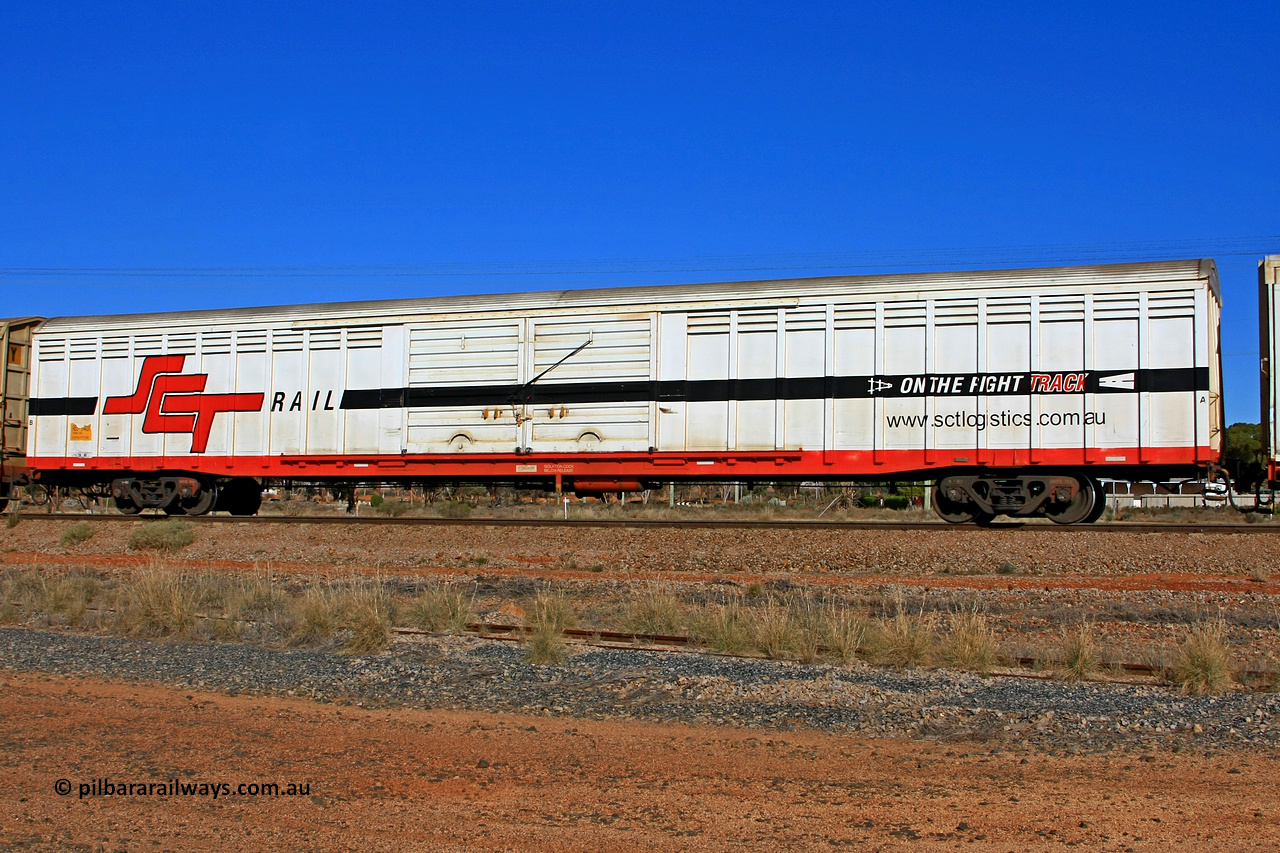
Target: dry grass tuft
(1202,665)
(1081,660)
(157,603)
(903,640)
(553,610)
(440,607)
(545,647)
(970,642)
(256,608)
(550,614)
(657,610)
(25,587)
(71,595)
(726,628)
(316,616)
(810,618)
(842,632)
(171,535)
(774,631)
(77,533)
(366,613)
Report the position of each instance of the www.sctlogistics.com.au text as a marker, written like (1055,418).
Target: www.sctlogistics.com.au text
(981,420)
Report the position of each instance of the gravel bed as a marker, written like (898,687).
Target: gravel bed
(488,675)
(775,553)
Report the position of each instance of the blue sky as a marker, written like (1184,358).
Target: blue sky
(189,155)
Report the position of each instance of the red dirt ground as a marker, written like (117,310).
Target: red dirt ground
(437,780)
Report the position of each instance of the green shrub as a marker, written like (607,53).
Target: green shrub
(394,509)
(455,509)
(896,502)
(77,533)
(376,500)
(171,535)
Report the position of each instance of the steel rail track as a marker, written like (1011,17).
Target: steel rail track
(681,643)
(728,524)
(690,645)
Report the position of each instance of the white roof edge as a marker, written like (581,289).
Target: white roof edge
(1119,275)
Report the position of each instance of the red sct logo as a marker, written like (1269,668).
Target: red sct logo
(172,403)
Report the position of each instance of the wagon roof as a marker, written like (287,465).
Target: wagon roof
(902,286)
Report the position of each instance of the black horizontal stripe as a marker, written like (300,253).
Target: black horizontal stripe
(1174,379)
(73,406)
(802,388)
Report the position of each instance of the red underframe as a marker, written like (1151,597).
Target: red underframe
(776,464)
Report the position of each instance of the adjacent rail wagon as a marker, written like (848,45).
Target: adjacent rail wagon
(1013,391)
(15,376)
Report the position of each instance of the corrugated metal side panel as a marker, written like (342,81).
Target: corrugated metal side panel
(906,286)
(460,355)
(618,348)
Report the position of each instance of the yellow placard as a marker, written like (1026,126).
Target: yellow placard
(82,433)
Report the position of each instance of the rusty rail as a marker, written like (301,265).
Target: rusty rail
(669,642)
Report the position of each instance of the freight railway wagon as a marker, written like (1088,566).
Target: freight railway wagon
(1013,390)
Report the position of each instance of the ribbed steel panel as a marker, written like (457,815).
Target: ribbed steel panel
(669,297)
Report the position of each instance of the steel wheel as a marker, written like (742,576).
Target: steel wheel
(1080,507)
(126,507)
(1099,503)
(950,511)
(201,503)
(241,496)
